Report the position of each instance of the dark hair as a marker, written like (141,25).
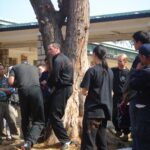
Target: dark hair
(100,52)
(142,36)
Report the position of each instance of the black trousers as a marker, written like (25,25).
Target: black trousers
(116,101)
(141,134)
(46,109)
(94,134)
(57,105)
(32,112)
(133,116)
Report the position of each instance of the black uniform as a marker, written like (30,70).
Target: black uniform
(60,82)
(31,100)
(135,62)
(140,81)
(97,108)
(120,76)
(133,98)
(46,93)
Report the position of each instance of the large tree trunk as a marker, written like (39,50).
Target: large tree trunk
(76,48)
(75,14)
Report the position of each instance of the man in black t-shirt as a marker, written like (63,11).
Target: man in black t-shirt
(120,73)
(25,77)
(60,82)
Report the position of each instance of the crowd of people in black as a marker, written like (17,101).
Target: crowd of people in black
(116,94)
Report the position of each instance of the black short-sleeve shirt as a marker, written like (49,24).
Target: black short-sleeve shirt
(25,75)
(98,103)
(120,76)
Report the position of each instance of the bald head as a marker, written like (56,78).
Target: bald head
(122,61)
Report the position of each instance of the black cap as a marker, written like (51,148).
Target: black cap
(145,50)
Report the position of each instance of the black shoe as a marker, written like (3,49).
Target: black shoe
(118,133)
(26,146)
(124,137)
(65,146)
(41,139)
(15,137)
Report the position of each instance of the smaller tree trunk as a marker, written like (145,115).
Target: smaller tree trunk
(48,23)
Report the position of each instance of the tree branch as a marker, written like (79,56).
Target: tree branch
(48,23)
(62,14)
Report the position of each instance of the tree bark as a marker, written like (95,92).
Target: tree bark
(77,32)
(48,23)
(75,15)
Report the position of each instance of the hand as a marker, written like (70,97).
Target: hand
(6,91)
(44,82)
(84,91)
